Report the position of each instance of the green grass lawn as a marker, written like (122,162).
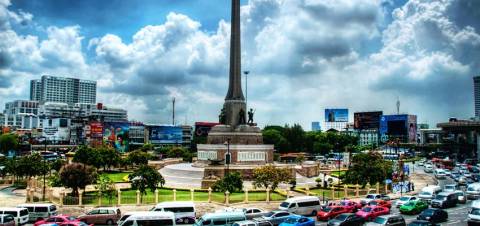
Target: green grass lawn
(129,197)
(116,177)
(337,173)
(327,193)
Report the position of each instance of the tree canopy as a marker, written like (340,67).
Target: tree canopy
(232,182)
(77,175)
(146,177)
(368,168)
(8,142)
(271,176)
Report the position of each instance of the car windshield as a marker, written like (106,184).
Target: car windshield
(269,214)
(441,197)
(404,198)
(425,193)
(71,218)
(471,189)
(416,223)
(475,211)
(380,220)
(284,204)
(410,204)
(341,217)
(374,203)
(327,209)
(428,212)
(344,203)
(291,220)
(370,196)
(367,209)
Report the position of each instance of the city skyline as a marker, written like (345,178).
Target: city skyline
(303,57)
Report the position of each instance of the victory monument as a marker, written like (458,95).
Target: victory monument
(234,145)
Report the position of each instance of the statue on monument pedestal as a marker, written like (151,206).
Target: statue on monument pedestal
(222,118)
(241,118)
(250,116)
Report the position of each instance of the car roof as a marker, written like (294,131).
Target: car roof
(302,198)
(35,204)
(175,204)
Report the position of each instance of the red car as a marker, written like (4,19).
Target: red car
(331,212)
(351,205)
(371,212)
(380,202)
(75,223)
(59,219)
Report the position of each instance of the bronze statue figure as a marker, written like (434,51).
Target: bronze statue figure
(241,118)
(222,118)
(250,116)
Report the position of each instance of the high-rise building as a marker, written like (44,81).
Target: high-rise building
(63,90)
(476,93)
(21,106)
(316,126)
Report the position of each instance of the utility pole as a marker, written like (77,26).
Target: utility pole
(173,111)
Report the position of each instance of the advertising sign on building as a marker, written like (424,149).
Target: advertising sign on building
(203,128)
(412,129)
(116,135)
(367,120)
(403,127)
(96,129)
(336,115)
(165,135)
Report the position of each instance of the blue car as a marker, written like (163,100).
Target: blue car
(295,220)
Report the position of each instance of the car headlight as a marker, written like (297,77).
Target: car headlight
(428,218)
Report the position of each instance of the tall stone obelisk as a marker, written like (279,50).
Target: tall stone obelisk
(235,101)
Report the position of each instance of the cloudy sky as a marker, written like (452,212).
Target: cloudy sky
(303,55)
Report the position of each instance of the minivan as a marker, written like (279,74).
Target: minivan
(150,219)
(7,220)
(39,211)
(128,214)
(304,205)
(20,214)
(223,218)
(445,200)
(101,215)
(428,193)
(388,220)
(184,211)
(473,191)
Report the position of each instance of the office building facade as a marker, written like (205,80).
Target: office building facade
(20,107)
(476,93)
(63,90)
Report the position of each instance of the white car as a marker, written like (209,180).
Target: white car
(404,200)
(428,168)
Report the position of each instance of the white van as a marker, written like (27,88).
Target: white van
(223,218)
(440,174)
(304,205)
(429,193)
(39,211)
(128,214)
(474,214)
(150,219)
(184,211)
(473,191)
(20,214)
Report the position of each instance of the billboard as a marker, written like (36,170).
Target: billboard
(412,129)
(203,128)
(96,130)
(165,134)
(367,120)
(403,127)
(336,115)
(115,135)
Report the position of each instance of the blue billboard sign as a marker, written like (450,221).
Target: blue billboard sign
(336,115)
(165,134)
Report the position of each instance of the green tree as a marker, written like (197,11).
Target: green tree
(271,176)
(106,186)
(88,156)
(232,182)
(296,137)
(77,175)
(275,137)
(146,177)
(109,157)
(368,168)
(8,142)
(57,164)
(138,157)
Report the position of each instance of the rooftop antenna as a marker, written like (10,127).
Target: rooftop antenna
(398,105)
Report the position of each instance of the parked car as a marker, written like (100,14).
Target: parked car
(252,223)
(275,217)
(296,220)
(421,223)
(379,202)
(102,215)
(433,215)
(39,211)
(388,220)
(304,205)
(462,198)
(19,214)
(371,197)
(371,212)
(351,205)
(445,200)
(162,218)
(346,219)
(184,211)
(413,207)
(7,220)
(328,213)
(404,199)
(56,220)
(251,213)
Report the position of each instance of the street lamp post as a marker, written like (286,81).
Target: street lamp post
(228,156)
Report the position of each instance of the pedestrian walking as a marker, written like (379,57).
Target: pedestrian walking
(413,187)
